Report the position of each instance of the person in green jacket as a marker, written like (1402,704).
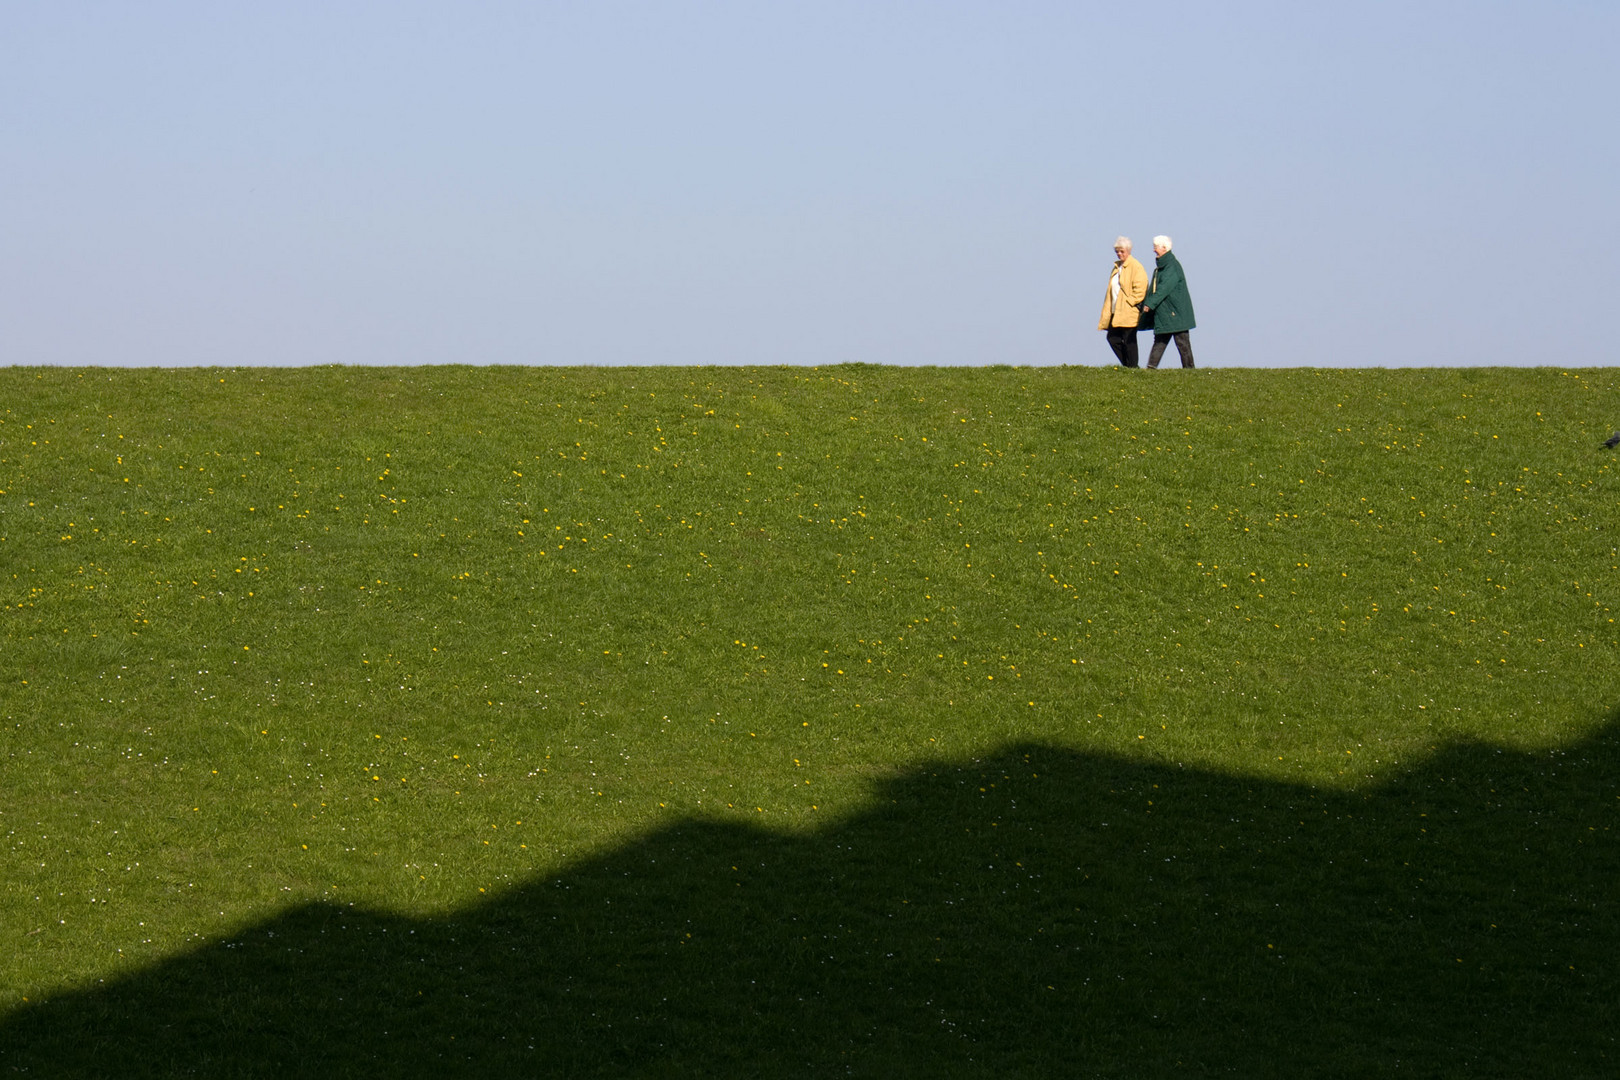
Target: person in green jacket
(1170,305)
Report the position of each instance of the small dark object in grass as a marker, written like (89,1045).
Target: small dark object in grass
(1612,441)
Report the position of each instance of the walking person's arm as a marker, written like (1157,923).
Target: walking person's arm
(1133,287)
(1170,277)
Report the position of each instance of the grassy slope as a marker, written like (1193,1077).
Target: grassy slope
(419,641)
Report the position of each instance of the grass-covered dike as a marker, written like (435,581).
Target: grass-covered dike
(787,721)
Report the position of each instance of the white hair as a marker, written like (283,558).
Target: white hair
(1162,241)
(1122,241)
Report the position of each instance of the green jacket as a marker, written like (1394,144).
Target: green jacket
(1167,296)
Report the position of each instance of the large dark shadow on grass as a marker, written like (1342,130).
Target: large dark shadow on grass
(1041,913)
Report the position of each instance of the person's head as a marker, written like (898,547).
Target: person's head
(1161,244)
(1122,248)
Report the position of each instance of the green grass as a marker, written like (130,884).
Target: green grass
(777,721)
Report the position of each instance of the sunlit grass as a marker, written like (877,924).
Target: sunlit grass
(408,638)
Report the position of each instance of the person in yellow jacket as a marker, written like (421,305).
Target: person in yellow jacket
(1121,310)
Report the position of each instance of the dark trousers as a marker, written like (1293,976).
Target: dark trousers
(1160,341)
(1122,339)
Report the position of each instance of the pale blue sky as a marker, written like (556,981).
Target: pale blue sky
(897,183)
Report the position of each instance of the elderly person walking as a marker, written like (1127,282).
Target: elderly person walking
(1127,286)
(1170,305)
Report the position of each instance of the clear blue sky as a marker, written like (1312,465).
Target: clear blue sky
(775,182)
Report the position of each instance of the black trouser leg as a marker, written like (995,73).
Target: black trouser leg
(1156,353)
(1122,339)
(1162,341)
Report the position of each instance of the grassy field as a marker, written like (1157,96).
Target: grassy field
(742,722)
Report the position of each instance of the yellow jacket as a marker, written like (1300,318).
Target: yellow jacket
(1133,283)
